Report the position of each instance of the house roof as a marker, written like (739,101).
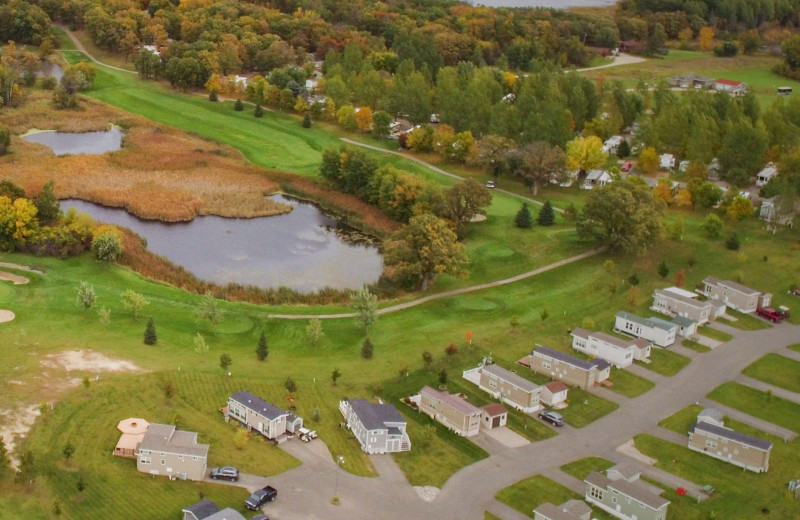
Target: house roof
(510,377)
(565,358)
(494,409)
(166,438)
(579,332)
(769,171)
(453,401)
(653,322)
(729,82)
(594,175)
(202,509)
(682,292)
(226,514)
(129,441)
(556,386)
(710,413)
(258,405)
(375,416)
(682,321)
(618,342)
(630,489)
(683,299)
(726,433)
(553,512)
(624,471)
(730,285)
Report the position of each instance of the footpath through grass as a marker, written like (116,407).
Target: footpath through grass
(776,370)
(758,404)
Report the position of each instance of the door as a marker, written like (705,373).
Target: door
(496,422)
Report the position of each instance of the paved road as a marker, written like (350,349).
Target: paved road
(621,59)
(471,491)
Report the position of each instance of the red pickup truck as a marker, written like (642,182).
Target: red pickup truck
(774,315)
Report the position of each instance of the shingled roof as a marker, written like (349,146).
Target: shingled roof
(375,416)
(258,405)
(741,438)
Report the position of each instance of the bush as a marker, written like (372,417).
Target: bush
(307,121)
(5,139)
(367,349)
(712,225)
(726,49)
(213,97)
(238,106)
(733,242)
(633,279)
(663,270)
(259,112)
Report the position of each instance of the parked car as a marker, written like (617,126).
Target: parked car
(554,418)
(225,473)
(774,315)
(262,516)
(627,167)
(260,497)
(490,185)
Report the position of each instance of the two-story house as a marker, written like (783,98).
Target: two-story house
(165,450)
(568,369)
(625,497)
(734,295)
(261,416)
(379,428)
(660,332)
(452,411)
(505,385)
(619,352)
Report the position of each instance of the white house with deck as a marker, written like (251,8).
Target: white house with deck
(660,332)
(619,352)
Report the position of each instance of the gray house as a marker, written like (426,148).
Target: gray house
(568,369)
(505,385)
(660,332)
(734,295)
(208,510)
(570,510)
(674,301)
(165,450)
(624,496)
(261,416)
(379,428)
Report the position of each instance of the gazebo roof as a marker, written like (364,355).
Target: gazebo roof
(133,426)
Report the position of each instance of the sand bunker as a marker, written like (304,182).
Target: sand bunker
(6,316)
(88,361)
(16,279)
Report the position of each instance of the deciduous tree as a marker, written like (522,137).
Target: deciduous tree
(585,153)
(314,332)
(107,244)
(85,297)
(542,163)
(207,309)
(134,302)
(739,208)
(712,225)
(648,159)
(461,203)
(366,306)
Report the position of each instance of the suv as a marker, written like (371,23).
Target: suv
(225,473)
(257,500)
(556,419)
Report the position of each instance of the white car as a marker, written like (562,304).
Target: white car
(490,185)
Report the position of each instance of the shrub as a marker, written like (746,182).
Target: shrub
(213,97)
(726,49)
(367,349)
(733,242)
(633,279)
(259,112)
(712,225)
(5,139)
(238,106)
(307,121)
(451,350)
(663,270)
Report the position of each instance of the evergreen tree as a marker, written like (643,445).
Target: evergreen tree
(523,218)
(663,270)
(624,149)
(367,349)
(238,106)
(259,112)
(47,205)
(547,216)
(213,97)
(307,121)
(263,350)
(150,336)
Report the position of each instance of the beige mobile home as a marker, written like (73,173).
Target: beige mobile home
(452,411)
(734,295)
(569,369)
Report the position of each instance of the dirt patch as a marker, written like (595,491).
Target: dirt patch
(629,449)
(14,278)
(22,421)
(427,493)
(6,316)
(20,267)
(86,360)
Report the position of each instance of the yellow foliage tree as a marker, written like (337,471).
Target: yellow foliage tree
(684,198)
(17,219)
(301,105)
(648,159)
(364,119)
(214,84)
(706,39)
(585,153)
(739,208)
(663,191)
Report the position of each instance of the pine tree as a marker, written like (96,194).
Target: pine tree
(259,112)
(547,216)
(367,349)
(238,106)
(624,149)
(523,218)
(307,121)
(150,336)
(213,96)
(263,350)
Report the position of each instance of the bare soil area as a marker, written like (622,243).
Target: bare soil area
(13,278)
(87,361)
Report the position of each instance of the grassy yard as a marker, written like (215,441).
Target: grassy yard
(681,420)
(740,495)
(585,408)
(776,370)
(694,345)
(666,362)
(744,321)
(581,468)
(629,384)
(758,404)
(795,347)
(526,495)
(489,516)
(713,333)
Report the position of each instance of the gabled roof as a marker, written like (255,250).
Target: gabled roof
(565,358)
(375,416)
(652,322)
(166,438)
(202,509)
(258,405)
(710,413)
(682,321)
(693,302)
(741,438)
(594,175)
(226,514)
(494,409)
(510,377)
(629,489)
(454,402)
(729,82)
(730,285)
(552,512)
(556,386)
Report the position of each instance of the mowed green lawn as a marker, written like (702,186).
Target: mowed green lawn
(744,321)
(759,404)
(629,384)
(581,468)
(682,420)
(528,494)
(776,370)
(666,362)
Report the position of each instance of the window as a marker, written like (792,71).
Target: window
(195,458)
(596,493)
(711,444)
(163,462)
(145,460)
(546,364)
(493,384)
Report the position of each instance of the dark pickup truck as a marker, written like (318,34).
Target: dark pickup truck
(257,500)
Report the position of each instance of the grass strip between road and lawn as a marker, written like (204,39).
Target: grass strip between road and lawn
(585,408)
(795,347)
(713,333)
(666,362)
(744,321)
(581,468)
(694,345)
(776,370)
(758,404)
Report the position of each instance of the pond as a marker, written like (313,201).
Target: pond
(305,249)
(63,143)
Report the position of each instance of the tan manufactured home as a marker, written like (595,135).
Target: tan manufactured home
(677,302)
(261,416)
(569,369)
(507,386)
(730,446)
(165,450)
(452,411)
(734,295)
